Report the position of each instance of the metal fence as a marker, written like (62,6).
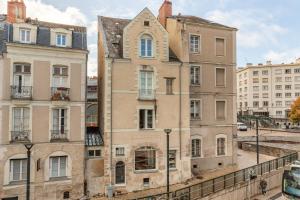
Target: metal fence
(208,187)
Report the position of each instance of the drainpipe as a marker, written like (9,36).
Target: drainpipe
(85,131)
(180,118)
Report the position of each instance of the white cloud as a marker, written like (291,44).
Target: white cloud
(92,62)
(287,56)
(256,27)
(92,28)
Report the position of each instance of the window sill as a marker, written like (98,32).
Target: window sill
(194,53)
(120,185)
(220,156)
(195,85)
(14,183)
(63,178)
(148,129)
(173,169)
(146,171)
(147,57)
(195,119)
(220,86)
(196,157)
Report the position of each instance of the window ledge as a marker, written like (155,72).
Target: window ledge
(173,169)
(196,157)
(13,183)
(63,178)
(196,119)
(120,185)
(145,130)
(195,85)
(220,86)
(146,171)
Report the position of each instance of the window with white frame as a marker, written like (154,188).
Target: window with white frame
(146,118)
(297,70)
(265,87)
(220,110)
(58,166)
(195,75)
(25,35)
(265,72)
(278,71)
(278,87)
(169,86)
(145,158)
(255,80)
(221,146)
(278,112)
(265,103)
(278,95)
(288,79)
(297,94)
(18,170)
(146,46)
(288,94)
(265,80)
(60,76)
(195,109)
(255,95)
(194,43)
(93,153)
(288,87)
(297,86)
(220,77)
(255,73)
(172,159)
(255,88)
(146,84)
(61,40)
(120,151)
(59,121)
(288,71)
(20,122)
(255,104)
(288,103)
(278,103)
(22,80)
(265,95)
(196,147)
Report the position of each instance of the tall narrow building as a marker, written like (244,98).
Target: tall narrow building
(143,90)
(42,102)
(209,49)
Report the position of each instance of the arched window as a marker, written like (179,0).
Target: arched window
(196,148)
(145,158)
(120,172)
(91,115)
(221,145)
(146,46)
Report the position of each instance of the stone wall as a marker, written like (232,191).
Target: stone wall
(267,150)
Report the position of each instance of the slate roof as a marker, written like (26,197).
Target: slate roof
(93,137)
(199,20)
(113,30)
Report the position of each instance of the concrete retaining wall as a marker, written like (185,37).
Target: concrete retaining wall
(267,150)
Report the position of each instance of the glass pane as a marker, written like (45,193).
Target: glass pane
(143,47)
(63,40)
(55,119)
(63,165)
(24,169)
(149,119)
(27,36)
(142,119)
(16,169)
(54,166)
(149,47)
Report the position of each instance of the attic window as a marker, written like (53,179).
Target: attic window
(146,23)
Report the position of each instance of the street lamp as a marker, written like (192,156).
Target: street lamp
(257,147)
(168,131)
(28,146)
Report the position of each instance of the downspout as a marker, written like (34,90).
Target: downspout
(85,130)
(111,119)
(180,110)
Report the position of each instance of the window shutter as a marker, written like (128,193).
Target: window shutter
(220,110)
(220,77)
(220,47)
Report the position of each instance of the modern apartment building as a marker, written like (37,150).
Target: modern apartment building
(143,89)
(268,89)
(209,49)
(42,102)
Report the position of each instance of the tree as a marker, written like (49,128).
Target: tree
(294,115)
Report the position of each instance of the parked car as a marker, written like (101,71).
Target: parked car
(241,126)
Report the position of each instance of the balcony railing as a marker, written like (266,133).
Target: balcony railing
(59,135)
(21,92)
(146,94)
(20,135)
(60,94)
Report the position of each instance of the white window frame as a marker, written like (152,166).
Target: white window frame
(60,76)
(27,35)
(200,109)
(147,38)
(173,168)
(146,120)
(192,48)
(116,151)
(59,163)
(66,118)
(59,41)
(146,95)
(11,169)
(225,78)
(201,147)
(225,145)
(194,75)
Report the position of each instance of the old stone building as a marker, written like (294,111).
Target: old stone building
(42,102)
(143,90)
(209,49)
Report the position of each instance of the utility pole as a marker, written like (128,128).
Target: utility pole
(28,146)
(168,131)
(257,147)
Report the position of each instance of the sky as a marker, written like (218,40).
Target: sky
(268,29)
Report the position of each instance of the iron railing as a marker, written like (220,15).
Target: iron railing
(59,134)
(146,94)
(60,94)
(209,187)
(21,92)
(20,135)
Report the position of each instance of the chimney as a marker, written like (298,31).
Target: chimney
(16,11)
(165,11)
(269,62)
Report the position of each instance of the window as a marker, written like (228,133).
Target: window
(246,104)
(146,46)
(255,88)
(241,89)
(25,35)
(278,87)
(278,112)
(278,103)
(255,73)
(265,72)
(59,124)
(169,86)
(255,80)
(120,151)
(297,86)
(58,166)
(221,146)
(145,158)
(146,85)
(288,103)
(288,79)
(146,182)
(297,78)
(265,80)
(288,71)
(146,119)
(297,94)
(195,43)
(196,148)
(146,23)
(21,80)
(60,76)
(195,75)
(172,159)
(94,153)
(278,71)
(255,104)
(278,79)
(297,70)
(220,77)
(66,195)
(61,39)
(120,172)
(265,103)
(220,110)
(220,47)
(255,95)
(195,109)
(288,94)
(20,123)
(278,95)
(265,87)
(288,87)
(265,95)
(18,169)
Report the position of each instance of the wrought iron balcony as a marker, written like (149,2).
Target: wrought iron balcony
(59,135)
(146,94)
(21,92)
(20,135)
(60,94)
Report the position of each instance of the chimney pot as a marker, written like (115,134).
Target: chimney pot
(16,11)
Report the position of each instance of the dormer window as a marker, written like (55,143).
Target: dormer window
(146,46)
(25,35)
(61,40)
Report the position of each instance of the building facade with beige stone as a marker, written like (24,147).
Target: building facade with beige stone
(42,101)
(209,49)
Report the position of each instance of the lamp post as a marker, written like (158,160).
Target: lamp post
(257,147)
(168,131)
(28,146)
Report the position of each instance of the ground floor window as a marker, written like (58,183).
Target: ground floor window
(221,146)
(58,166)
(145,158)
(120,172)
(196,148)
(18,169)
